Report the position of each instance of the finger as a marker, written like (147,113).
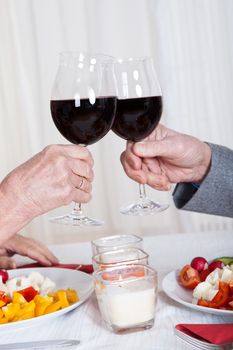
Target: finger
(3,251)
(152,165)
(136,175)
(158,182)
(81,168)
(7,263)
(78,152)
(79,196)
(81,183)
(133,161)
(163,148)
(33,249)
(44,251)
(37,255)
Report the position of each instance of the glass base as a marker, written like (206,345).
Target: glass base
(143,207)
(133,328)
(76,220)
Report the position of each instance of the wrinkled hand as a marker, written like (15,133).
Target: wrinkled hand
(49,180)
(166,157)
(26,247)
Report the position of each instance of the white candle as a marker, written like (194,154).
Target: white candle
(123,307)
(127,296)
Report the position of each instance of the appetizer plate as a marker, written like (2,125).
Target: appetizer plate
(183,296)
(64,278)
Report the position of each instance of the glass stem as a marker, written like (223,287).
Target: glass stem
(142,192)
(77,211)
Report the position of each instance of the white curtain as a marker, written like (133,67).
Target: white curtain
(191,42)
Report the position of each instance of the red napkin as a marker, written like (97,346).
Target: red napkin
(212,333)
(80,267)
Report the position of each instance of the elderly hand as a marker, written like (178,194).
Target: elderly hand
(166,157)
(50,179)
(56,176)
(27,247)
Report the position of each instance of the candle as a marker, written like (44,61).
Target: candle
(127,297)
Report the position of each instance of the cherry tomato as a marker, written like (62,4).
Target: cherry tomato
(189,277)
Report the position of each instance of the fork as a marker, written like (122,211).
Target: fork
(199,344)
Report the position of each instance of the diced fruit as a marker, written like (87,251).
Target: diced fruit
(215,264)
(28,303)
(18,298)
(189,277)
(61,296)
(3,320)
(4,299)
(199,263)
(221,298)
(72,296)
(41,307)
(231,285)
(10,310)
(203,302)
(28,293)
(4,275)
(53,307)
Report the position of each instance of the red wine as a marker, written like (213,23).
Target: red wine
(136,118)
(83,123)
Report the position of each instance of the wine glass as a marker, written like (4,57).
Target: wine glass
(139,109)
(83,106)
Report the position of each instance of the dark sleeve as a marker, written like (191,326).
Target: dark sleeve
(215,194)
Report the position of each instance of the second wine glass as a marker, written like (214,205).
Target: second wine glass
(139,109)
(83,108)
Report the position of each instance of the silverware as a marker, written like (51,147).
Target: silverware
(199,344)
(41,344)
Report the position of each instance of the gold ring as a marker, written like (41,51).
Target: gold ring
(81,184)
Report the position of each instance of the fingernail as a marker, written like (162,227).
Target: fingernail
(139,146)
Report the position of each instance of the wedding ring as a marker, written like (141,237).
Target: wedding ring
(81,184)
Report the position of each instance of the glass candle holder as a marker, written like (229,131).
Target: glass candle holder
(117,257)
(127,297)
(115,242)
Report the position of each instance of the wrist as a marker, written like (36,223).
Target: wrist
(205,165)
(13,215)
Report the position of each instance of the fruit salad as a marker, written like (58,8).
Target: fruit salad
(211,282)
(24,297)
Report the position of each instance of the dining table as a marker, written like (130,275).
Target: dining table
(167,252)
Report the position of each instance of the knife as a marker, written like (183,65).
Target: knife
(41,344)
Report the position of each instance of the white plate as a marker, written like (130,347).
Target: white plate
(184,296)
(64,278)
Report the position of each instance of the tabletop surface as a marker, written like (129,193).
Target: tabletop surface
(167,253)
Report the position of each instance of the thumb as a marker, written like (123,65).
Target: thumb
(7,263)
(153,149)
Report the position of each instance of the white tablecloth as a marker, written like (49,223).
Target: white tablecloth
(167,253)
